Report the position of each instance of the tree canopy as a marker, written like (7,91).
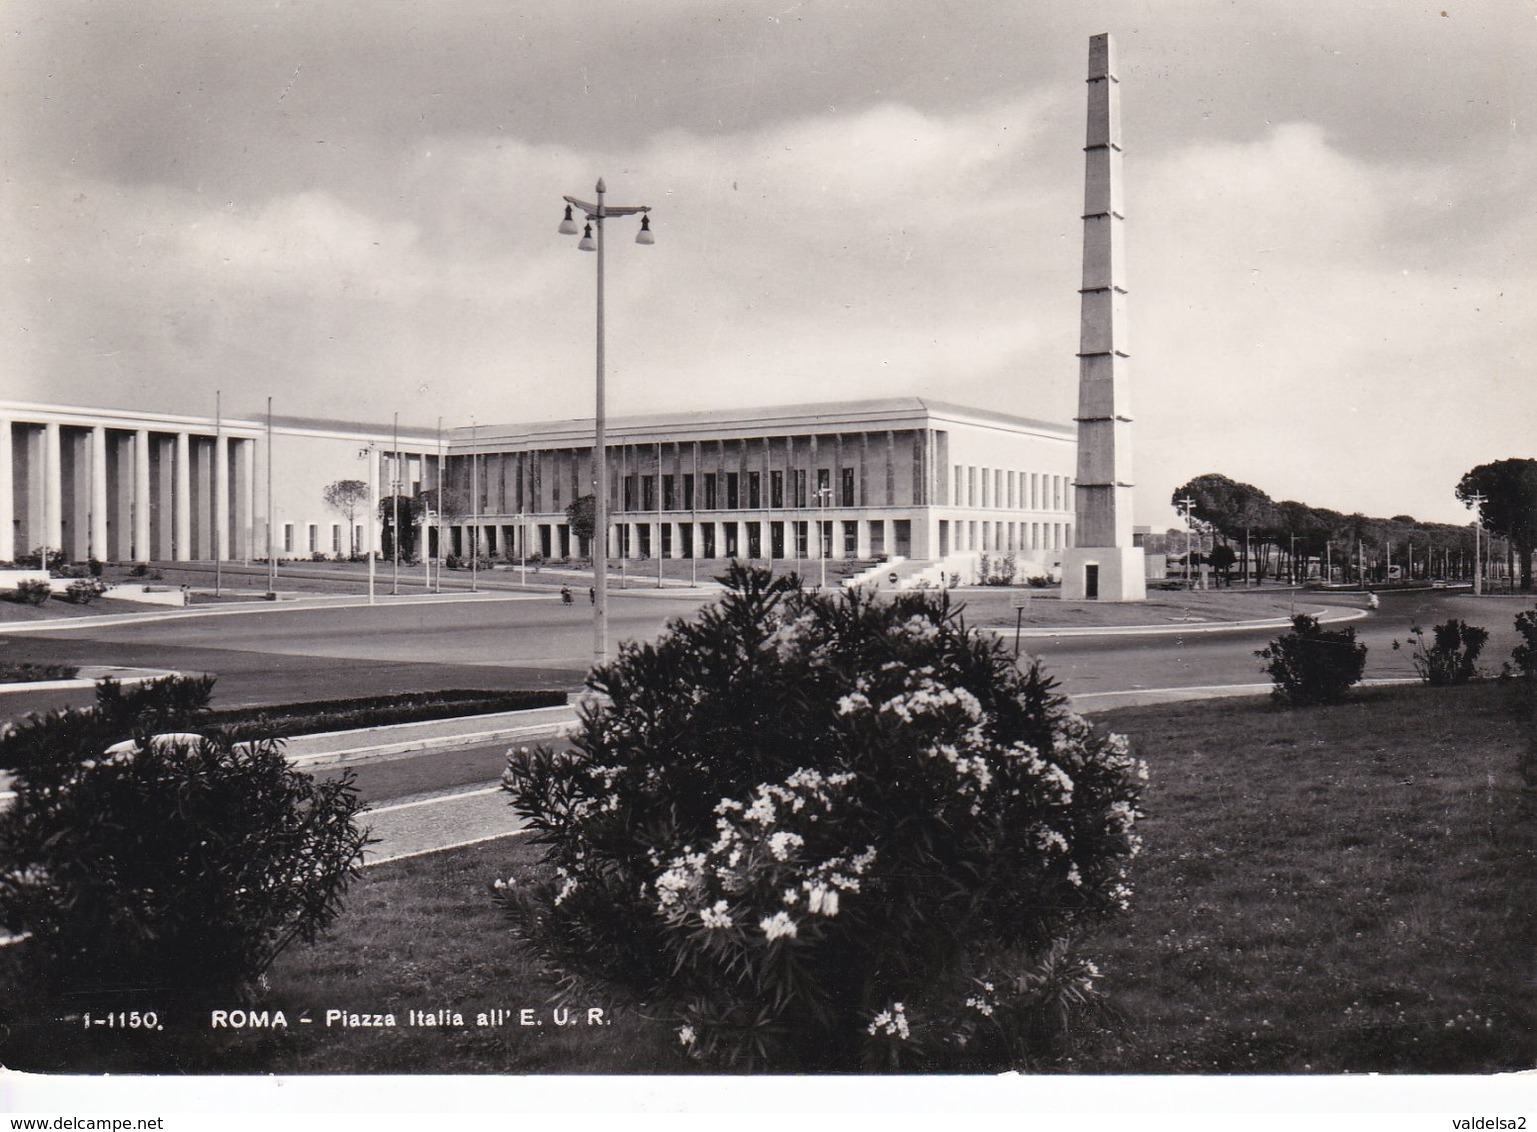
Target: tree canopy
(1506,495)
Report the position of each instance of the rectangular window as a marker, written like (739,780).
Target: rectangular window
(357,539)
(754,492)
(971,488)
(288,538)
(824,487)
(688,494)
(336,538)
(669,493)
(800,490)
(648,493)
(314,538)
(846,487)
(711,494)
(800,530)
(985,480)
(960,485)
(733,486)
(1011,491)
(850,538)
(776,489)
(997,487)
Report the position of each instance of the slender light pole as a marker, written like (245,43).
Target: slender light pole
(474,506)
(395,504)
(823,539)
(1478,523)
(442,495)
(373,514)
(219,473)
(596,214)
(658,483)
(1185,505)
(272,562)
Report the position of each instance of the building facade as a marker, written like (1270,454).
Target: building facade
(902,477)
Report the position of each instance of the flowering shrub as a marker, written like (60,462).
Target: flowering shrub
(178,869)
(829,832)
(1313,665)
(1452,654)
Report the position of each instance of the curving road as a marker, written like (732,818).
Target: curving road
(507,641)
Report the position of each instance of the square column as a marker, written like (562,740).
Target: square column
(221,497)
(98,520)
(181,550)
(53,489)
(141,502)
(245,497)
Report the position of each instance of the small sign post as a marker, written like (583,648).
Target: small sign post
(1021,603)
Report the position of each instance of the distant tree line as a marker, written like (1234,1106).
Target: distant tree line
(1291,540)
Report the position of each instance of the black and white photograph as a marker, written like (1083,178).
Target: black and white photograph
(886,556)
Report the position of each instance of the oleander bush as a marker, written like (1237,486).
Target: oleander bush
(174,870)
(178,869)
(1313,665)
(1451,657)
(1525,652)
(828,833)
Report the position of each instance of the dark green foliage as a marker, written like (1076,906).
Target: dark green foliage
(582,515)
(30,673)
(83,591)
(30,591)
(375,711)
(1451,656)
(176,871)
(1313,665)
(122,711)
(1525,654)
(829,832)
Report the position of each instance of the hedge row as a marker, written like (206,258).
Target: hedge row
(374,711)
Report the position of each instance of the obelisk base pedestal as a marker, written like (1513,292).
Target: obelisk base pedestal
(1104,573)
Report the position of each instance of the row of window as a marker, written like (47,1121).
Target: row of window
(733,491)
(1022,491)
(313,545)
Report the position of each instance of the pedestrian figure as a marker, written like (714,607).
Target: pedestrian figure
(1372,601)
(592,596)
(565,595)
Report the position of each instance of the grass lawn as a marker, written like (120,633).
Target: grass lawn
(1346,889)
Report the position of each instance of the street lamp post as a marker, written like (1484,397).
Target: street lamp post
(592,241)
(822,494)
(1185,506)
(1478,522)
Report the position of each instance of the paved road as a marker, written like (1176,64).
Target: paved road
(298,654)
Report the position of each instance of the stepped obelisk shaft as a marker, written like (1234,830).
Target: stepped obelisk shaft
(1103,564)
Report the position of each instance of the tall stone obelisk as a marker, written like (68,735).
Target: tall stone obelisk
(1103,564)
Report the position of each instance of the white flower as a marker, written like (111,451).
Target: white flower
(718,916)
(686,1035)
(823,901)
(891,1022)
(782,843)
(778,925)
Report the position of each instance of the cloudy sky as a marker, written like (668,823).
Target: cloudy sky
(350,206)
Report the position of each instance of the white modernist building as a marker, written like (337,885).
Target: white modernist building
(935,484)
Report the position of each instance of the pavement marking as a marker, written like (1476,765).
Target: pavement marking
(434,800)
(444,848)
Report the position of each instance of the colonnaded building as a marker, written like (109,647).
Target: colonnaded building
(931,484)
